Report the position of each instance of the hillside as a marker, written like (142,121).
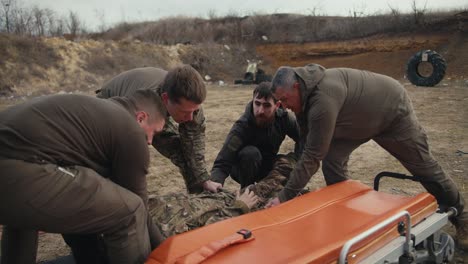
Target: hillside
(31,67)
(36,65)
(383,54)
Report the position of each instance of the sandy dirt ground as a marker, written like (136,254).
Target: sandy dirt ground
(442,110)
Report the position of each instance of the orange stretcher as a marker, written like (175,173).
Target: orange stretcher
(347,222)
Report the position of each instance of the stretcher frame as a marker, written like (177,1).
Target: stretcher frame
(401,237)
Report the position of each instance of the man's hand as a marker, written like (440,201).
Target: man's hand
(248,197)
(273,202)
(212,186)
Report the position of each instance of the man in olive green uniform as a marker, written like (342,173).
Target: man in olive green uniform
(77,165)
(182,91)
(340,109)
(252,145)
(176,213)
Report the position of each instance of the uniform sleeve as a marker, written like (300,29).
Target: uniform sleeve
(227,156)
(192,139)
(293,132)
(321,120)
(130,163)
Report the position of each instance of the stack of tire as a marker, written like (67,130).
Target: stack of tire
(438,68)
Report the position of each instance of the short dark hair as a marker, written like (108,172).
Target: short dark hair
(149,101)
(184,82)
(263,90)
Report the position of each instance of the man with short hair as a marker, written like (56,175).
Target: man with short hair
(77,165)
(252,145)
(340,109)
(183,91)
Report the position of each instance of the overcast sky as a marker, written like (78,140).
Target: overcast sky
(108,12)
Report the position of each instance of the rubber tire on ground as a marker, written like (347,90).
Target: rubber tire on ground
(438,65)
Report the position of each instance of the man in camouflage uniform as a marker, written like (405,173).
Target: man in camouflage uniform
(176,213)
(182,90)
(340,109)
(253,143)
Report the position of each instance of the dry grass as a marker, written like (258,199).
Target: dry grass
(30,53)
(281,28)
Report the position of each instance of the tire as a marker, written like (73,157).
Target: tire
(438,68)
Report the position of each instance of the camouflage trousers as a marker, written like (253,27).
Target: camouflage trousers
(170,144)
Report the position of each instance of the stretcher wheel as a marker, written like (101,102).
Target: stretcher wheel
(441,248)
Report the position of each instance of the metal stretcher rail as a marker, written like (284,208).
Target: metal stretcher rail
(347,246)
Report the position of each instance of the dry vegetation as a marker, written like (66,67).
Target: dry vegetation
(43,52)
(281,28)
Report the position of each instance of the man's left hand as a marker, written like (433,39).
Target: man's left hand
(273,202)
(212,186)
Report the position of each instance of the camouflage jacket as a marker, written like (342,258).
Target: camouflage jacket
(176,213)
(183,144)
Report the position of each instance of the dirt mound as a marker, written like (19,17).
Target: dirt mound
(36,66)
(383,54)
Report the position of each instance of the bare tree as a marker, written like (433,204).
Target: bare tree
(74,24)
(39,21)
(418,12)
(6,6)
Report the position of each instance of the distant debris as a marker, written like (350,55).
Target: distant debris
(221,83)
(264,37)
(207,77)
(227,47)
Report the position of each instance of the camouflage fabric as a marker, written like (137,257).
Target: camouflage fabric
(183,144)
(176,213)
(269,186)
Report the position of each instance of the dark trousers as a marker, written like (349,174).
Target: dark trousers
(251,167)
(73,200)
(18,245)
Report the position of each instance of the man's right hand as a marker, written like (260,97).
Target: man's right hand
(248,197)
(212,186)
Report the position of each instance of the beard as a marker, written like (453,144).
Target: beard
(263,121)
